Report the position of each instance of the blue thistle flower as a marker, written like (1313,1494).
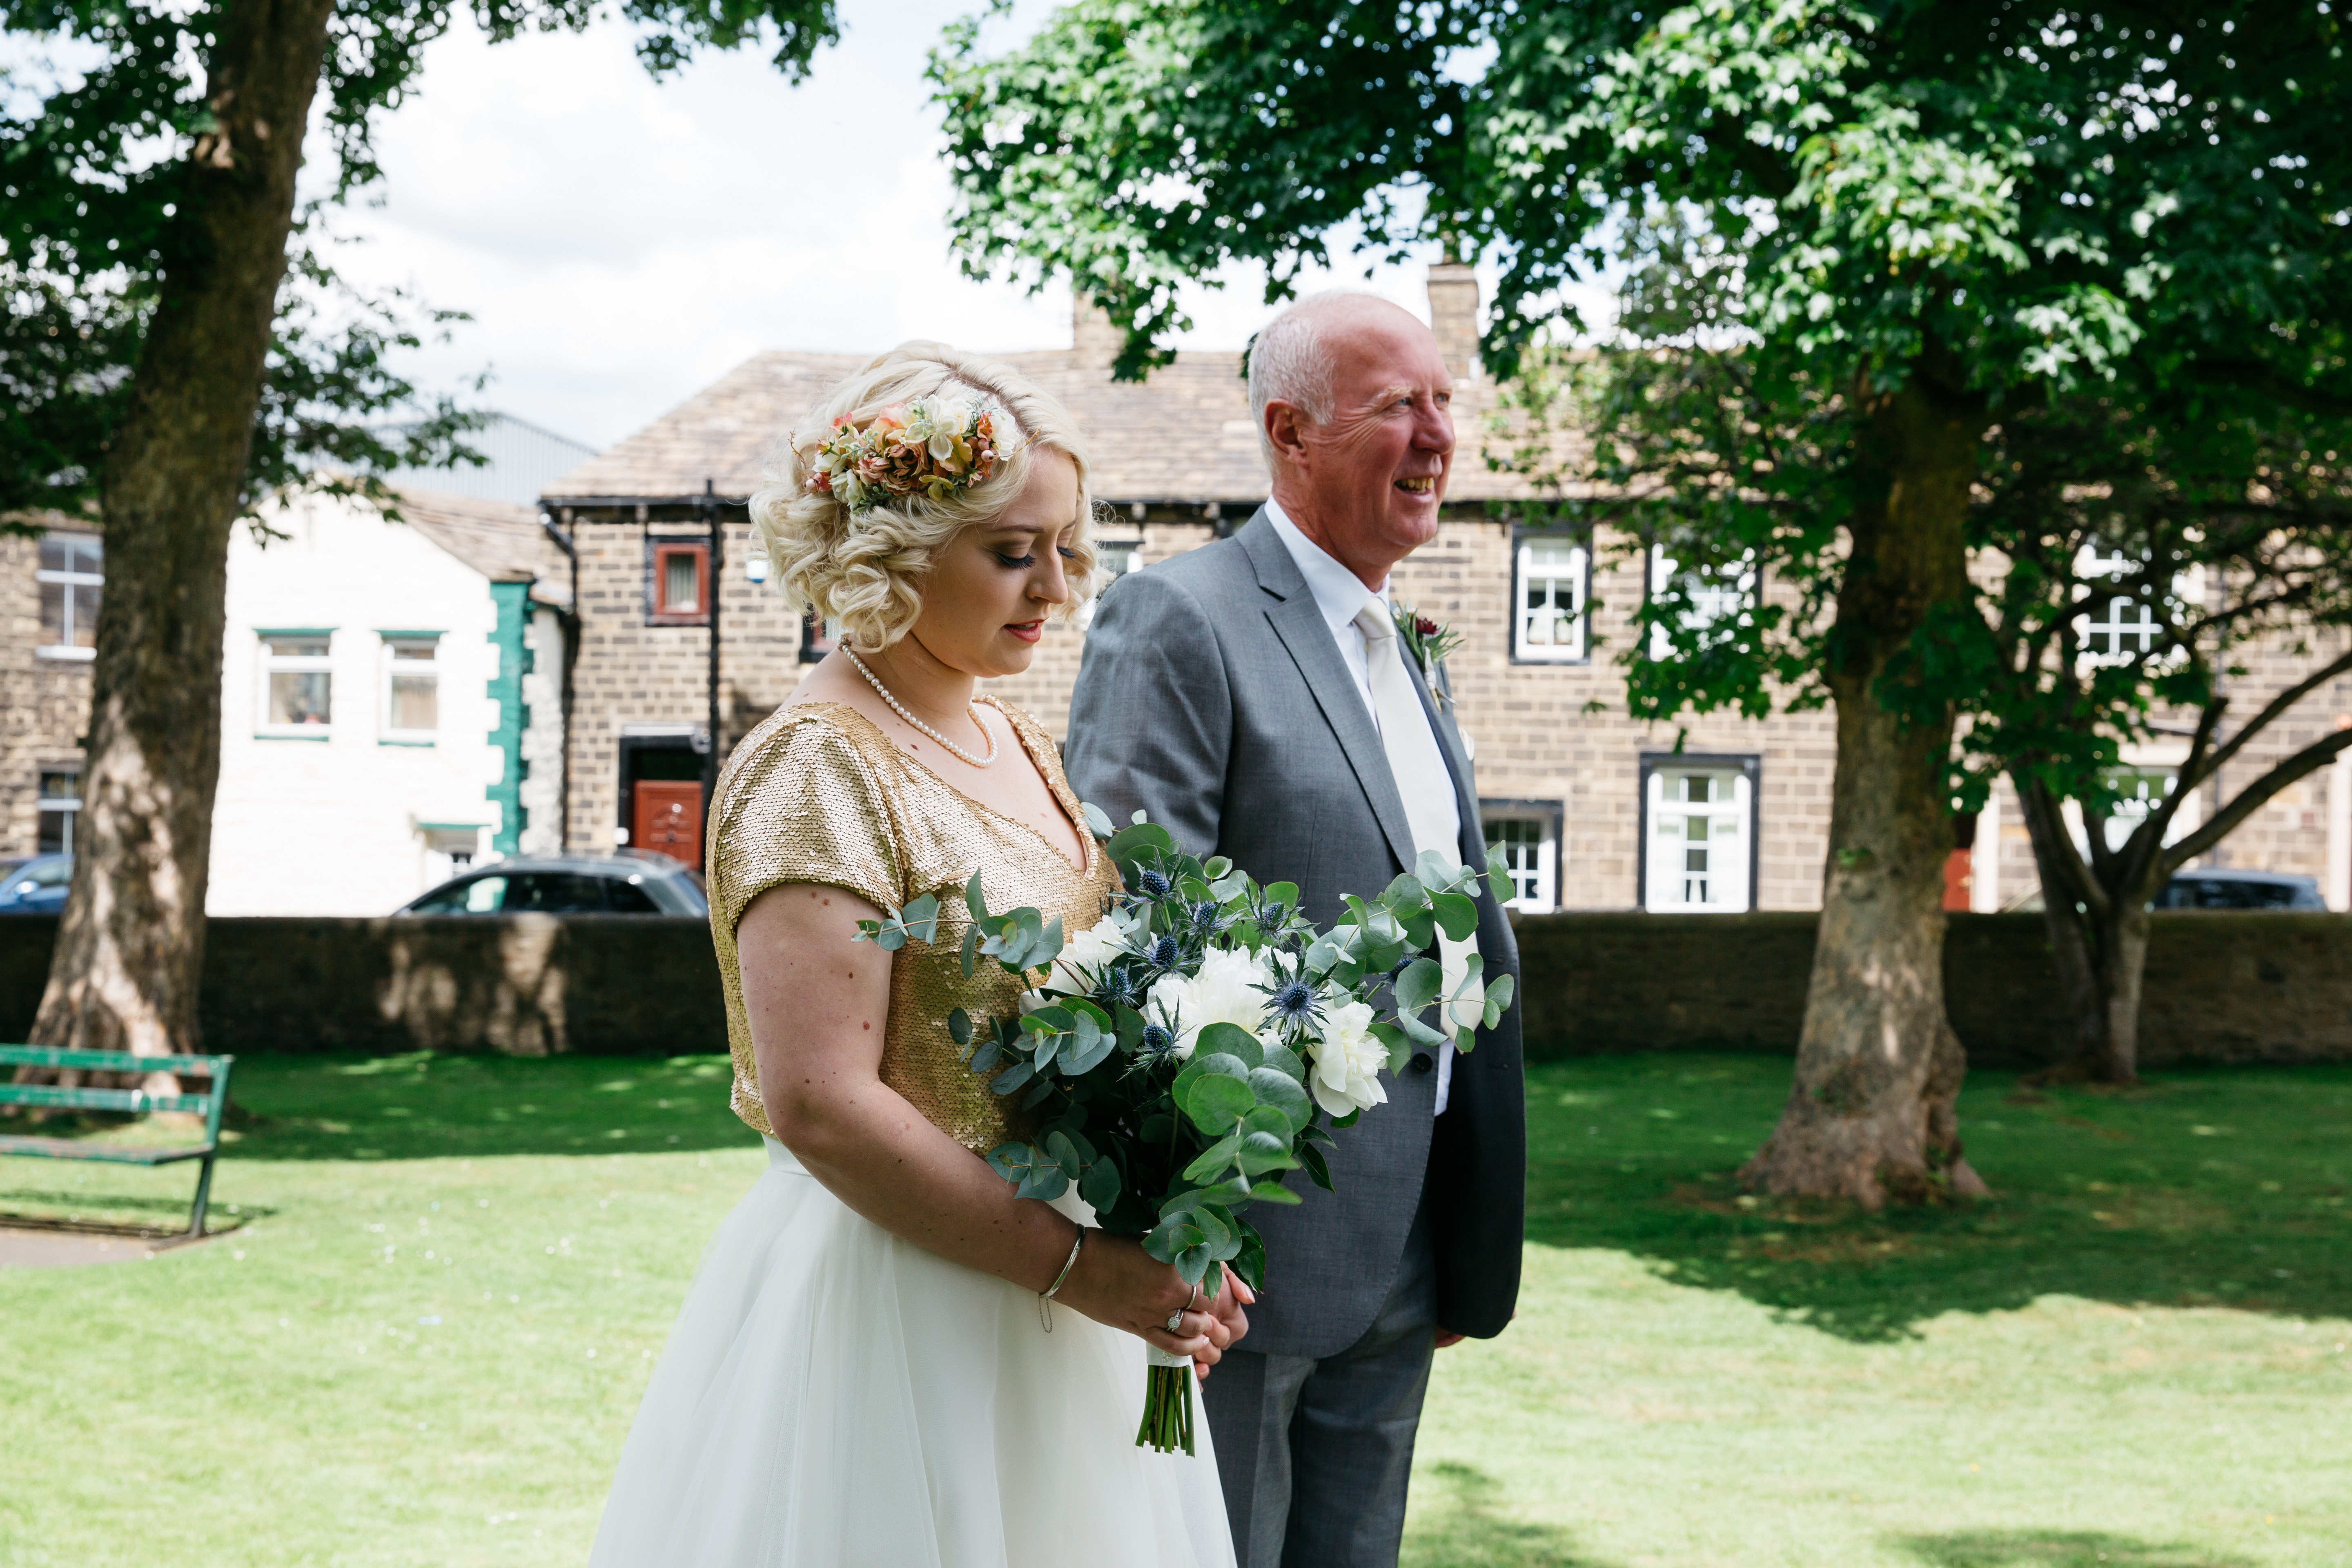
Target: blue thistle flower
(1204,916)
(1156,1041)
(1165,952)
(1154,884)
(1294,1003)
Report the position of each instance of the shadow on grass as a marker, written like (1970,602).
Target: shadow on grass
(2215,1187)
(1464,1531)
(424,1106)
(2057,1549)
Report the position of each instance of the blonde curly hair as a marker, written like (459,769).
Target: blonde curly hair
(865,570)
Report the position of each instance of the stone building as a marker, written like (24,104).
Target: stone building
(1719,814)
(50,585)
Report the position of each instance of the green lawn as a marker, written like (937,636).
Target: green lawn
(425,1343)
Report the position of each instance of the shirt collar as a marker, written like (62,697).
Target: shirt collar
(1338,593)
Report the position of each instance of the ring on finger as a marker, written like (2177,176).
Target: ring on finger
(1175,1323)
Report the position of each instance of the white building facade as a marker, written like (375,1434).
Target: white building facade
(390,706)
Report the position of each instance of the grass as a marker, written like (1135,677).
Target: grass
(426,1339)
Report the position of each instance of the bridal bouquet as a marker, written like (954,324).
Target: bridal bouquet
(1198,1042)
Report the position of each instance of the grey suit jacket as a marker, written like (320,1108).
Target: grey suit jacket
(1212,696)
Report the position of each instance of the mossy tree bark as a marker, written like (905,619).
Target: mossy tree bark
(130,949)
(1871,1113)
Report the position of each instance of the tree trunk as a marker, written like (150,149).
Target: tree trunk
(130,948)
(2100,958)
(1878,1068)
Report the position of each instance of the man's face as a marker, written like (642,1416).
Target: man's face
(1376,471)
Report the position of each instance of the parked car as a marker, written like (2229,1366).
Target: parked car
(569,885)
(36,887)
(2240,891)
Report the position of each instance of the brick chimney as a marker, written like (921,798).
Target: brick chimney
(1453,316)
(1094,338)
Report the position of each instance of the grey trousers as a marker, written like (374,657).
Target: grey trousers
(1315,1454)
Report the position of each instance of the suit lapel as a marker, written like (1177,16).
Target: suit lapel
(1298,622)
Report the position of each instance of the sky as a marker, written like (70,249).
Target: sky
(620,243)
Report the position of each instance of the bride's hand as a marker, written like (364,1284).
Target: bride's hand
(1115,1282)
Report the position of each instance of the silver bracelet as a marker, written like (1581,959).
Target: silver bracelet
(1044,1312)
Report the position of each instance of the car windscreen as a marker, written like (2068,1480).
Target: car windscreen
(525,892)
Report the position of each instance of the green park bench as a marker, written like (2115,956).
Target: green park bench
(208,1105)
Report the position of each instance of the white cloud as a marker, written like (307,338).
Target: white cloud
(621,242)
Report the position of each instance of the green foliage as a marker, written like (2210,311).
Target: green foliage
(97,122)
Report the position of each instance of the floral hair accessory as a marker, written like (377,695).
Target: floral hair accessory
(934,446)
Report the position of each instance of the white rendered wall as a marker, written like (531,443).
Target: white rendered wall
(332,825)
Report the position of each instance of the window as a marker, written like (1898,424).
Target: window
(1114,559)
(71,570)
(412,686)
(298,684)
(1528,832)
(59,805)
(2123,628)
(1550,575)
(524,892)
(679,591)
(817,638)
(1714,594)
(1698,848)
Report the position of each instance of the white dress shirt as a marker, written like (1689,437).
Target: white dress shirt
(1341,597)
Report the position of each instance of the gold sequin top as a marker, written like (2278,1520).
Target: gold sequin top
(818,794)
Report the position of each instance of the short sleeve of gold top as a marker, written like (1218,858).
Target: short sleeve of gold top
(818,794)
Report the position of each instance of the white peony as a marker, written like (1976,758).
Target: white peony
(1225,992)
(1084,956)
(1347,1061)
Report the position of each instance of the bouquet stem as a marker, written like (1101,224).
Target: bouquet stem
(1167,1404)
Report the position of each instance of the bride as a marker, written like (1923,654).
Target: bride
(887,1358)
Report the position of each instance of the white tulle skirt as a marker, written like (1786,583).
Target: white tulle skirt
(834,1397)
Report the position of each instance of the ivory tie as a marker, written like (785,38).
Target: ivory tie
(1419,770)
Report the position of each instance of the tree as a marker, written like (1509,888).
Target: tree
(1925,214)
(2151,539)
(168,375)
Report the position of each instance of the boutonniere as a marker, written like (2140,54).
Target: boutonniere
(1429,641)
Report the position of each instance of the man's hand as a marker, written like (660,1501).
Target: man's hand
(1447,1338)
(1227,1321)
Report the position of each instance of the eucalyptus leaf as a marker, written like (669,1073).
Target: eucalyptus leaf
(975,900)
(959,1027)
(1013,1078)
(1214,1159)
(1098,823)
(1282,1094)
(1458,915)
(1275,1193)
(1230,1040)
(1100,1185)
(1418,985)
(1217,1102)
(1261,1152)
(1318,1171)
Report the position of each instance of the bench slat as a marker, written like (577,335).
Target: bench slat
(113,1153)
(106,1061)
(49,1094)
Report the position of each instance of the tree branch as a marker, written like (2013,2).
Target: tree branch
(2250,799)
(2277,706)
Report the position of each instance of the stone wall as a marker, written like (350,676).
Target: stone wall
(2220,987)
(45,708)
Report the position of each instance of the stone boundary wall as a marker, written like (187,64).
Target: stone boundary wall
(2220,987)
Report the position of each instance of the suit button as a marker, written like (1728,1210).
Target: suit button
(1423,1062)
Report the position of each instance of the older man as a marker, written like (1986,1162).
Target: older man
(1253,696)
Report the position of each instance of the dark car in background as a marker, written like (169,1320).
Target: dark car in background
(2240,891)
(569,885)
(36,887)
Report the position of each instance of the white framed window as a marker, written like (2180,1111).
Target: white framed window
(1698,835)
(411,688)
(298,684)
(2124,628)
(1114,559)
(59,808)
(70,570)
(1528,832)
(1551,575)
(1725,591)
(2142,787)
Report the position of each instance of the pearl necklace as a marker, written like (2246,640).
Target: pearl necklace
(897,708)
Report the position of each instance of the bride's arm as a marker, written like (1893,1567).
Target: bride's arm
(818,1003)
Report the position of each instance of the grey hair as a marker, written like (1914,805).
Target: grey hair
(1290,363)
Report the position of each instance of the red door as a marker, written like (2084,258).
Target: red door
(669,819)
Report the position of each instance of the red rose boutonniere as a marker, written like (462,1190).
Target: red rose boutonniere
(1429,641)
